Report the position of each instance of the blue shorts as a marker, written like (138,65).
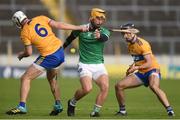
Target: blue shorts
(145,77)
(51,61)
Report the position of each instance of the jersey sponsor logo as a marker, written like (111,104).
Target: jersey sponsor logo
(88,34)
(79,70)
(138,57)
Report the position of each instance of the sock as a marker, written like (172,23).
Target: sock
(73,101)
(58,105)
(96,108)
(57,102)
(122,108)
(169,108)
(22,104)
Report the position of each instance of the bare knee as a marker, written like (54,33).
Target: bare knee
(119,87)
(86,90)
(51,77)
(154,88)
(24,78)
(105,87)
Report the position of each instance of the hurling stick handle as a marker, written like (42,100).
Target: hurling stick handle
(116,30)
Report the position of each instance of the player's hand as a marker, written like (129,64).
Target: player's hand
(128,71)
(20,55)
(97,34)
(132,69)
(84,28)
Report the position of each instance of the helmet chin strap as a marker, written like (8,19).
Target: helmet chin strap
(26,20)
(134,39)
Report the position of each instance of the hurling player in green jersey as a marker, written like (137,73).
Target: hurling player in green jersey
(91,62)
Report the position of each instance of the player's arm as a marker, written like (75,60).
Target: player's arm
(69,39)
(66,26)
(148,62)
(26,53)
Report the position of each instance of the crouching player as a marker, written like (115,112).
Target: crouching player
(144,71)
(37,31)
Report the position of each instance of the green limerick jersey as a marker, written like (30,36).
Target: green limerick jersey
(91,49)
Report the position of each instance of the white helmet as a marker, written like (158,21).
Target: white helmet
(18,17)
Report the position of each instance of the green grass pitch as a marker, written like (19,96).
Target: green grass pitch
(141,103)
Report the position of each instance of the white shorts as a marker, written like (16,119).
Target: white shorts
(42,68)
(92,70)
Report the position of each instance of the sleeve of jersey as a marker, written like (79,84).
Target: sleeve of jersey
(76,33)
(24,37)
(106,32)
(44,18)
(146,49)
(70,38)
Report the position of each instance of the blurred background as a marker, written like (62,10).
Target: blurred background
(157,20)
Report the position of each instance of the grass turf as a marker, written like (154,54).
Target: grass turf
(141,103)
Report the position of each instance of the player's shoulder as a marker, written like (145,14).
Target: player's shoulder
(104,28)
(144,44)
(25,31)
(41,17)
(143,41)
(105,31)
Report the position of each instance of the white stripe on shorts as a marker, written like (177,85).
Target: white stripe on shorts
(39,67)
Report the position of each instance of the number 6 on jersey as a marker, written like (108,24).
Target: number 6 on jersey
(41,31)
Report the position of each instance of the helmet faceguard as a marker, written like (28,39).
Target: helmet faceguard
(129,28)
(129,32)
(18,18)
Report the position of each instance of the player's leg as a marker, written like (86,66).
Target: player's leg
(52,79)
(103,83)
(86,87)
(154,84)
(32,72)
(130,81)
